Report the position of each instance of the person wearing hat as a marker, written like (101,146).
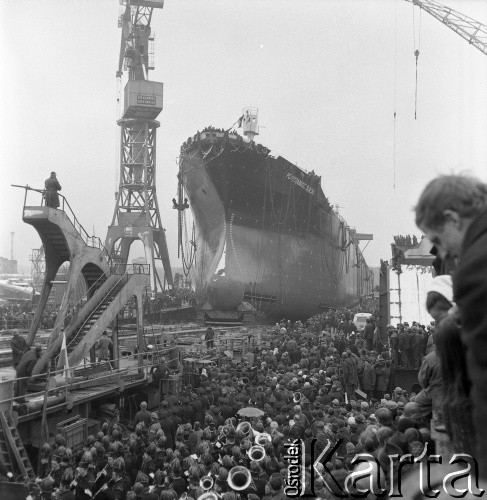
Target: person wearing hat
(84,482)
(24,370)
(19,346)
(52,186)
(381,377)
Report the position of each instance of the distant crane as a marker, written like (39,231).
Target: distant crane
(471,30)
(12,246)
(136,215)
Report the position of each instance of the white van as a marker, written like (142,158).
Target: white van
(359,320)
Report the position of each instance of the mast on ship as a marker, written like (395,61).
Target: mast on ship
(250,123)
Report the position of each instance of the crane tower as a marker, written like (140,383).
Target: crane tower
(136,215)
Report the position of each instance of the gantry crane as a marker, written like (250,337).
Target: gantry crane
(136,215)
(471,30)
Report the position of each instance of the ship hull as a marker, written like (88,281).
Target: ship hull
(265,232)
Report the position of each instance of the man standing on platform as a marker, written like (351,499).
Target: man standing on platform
(19,347)
(52,187)
(209,336)
(104,345)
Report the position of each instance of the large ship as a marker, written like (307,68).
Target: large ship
(265,233)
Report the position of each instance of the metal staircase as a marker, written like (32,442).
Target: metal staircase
(12,450)
(95,315)
(125,282)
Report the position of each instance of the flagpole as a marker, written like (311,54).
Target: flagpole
(44,426)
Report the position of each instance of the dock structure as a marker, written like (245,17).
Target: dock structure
(77,399)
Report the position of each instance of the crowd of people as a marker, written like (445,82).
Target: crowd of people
(15,314)
(19,314)
(319,385)
(322,384)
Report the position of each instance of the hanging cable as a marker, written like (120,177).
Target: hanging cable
(395,98)
(416,54)
(117,178)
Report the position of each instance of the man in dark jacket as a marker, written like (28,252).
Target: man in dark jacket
(452,212)
(19,347)
(369,334)
(209,336)
(143,415)
(52,187)
(24,369)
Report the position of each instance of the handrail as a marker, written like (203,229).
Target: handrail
(130,269)
(80,329)
(85,296)
(91,241)
(109,374)
(120,268)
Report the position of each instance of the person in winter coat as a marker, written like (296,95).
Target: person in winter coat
(452,213)
(52,186)
(349,375)
(369,378)
(369,334)
(25,368)
(381,377)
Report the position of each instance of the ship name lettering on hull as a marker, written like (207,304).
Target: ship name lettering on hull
(300,183)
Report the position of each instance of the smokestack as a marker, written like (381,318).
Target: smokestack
(12,246)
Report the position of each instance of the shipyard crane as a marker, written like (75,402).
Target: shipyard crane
(137,215)
(471,30)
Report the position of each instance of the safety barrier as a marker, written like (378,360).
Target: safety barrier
(91,241)
(110,373)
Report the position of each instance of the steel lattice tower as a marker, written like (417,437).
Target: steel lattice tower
(136,215)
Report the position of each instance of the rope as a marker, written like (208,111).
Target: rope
(395,98)
(416,54)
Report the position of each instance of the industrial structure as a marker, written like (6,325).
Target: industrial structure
(136,215)
(111,282)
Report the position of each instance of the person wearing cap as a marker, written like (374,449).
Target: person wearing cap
(381,377)
(84,482)
(24,370)
(368,378)
(19,346)
(52,186)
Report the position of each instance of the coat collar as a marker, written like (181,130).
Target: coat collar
(476,229)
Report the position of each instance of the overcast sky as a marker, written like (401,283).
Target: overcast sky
(326,76)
